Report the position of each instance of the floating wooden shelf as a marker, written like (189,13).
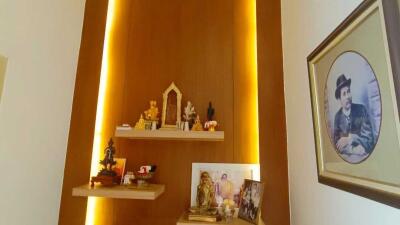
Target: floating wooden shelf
(184,221)
(120,191)
(171,135)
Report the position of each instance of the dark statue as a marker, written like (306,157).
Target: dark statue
(107,176)
(210,112)
(108,160)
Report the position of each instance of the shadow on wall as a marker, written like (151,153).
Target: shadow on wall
(3,64)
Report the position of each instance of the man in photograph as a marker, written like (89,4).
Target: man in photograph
(224,188)
(353,134)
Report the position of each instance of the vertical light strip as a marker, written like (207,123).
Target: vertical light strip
(254,76)
(91,205)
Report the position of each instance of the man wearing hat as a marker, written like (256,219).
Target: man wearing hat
(352,129)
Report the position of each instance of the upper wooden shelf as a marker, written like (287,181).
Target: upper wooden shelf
(120,191)
(171,135)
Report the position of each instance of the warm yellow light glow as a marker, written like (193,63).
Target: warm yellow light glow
(254,80)
(96,151)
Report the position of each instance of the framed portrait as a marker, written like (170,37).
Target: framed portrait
(3,63)
(354,85)
(251,201)
(226,180)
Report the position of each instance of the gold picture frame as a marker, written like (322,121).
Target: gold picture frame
(354,79)
(171,114)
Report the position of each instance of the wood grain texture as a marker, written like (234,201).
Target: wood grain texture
(189,43)
(80,141)
(195,44)
(273,152)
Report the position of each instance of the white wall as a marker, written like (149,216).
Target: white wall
(305,24)
(41,40)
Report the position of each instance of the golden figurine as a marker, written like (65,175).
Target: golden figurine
(140,125)
(205,192)
(152,113)
(197,126)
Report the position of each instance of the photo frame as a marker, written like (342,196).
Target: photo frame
(354,84)
(251,201)
(171,114)
(224,174)
(119,167)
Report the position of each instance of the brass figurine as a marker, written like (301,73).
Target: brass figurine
(140,125)
(197,126)
(205,191)
(152,112)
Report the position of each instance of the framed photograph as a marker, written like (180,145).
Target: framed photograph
(250,203)
(354,84)
(226,179)
(119,167)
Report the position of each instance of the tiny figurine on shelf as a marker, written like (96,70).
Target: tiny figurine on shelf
(210,124)
(189,115)
(129,176)
(140,125)
(107,176)
(229,209)
(210,112)
(197,126)
(145,173)
(152,112)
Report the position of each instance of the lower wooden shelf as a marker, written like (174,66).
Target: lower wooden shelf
(236,221)
(150,192)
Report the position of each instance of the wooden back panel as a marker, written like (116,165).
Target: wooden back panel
(195,44)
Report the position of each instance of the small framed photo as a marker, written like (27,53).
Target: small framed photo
(119,167)
(250,203)
(355,93)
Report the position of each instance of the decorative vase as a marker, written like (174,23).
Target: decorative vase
(186,126)
(211,128)
(154,125)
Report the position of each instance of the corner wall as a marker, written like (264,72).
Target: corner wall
(271,103)
(305,24)
(41,41)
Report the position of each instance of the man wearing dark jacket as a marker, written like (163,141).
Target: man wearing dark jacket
(352,129)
